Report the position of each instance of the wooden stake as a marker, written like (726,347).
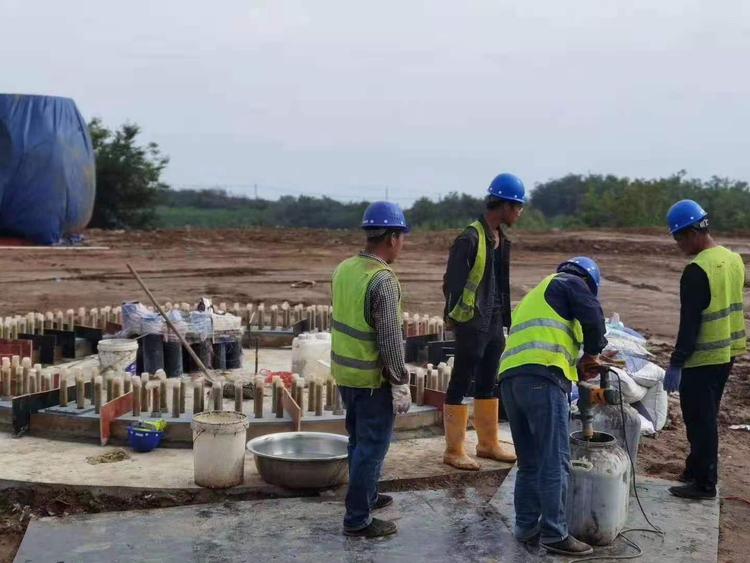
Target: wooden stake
(197,397)
(217,392)
(137,396)
(258,397)
(176,399)
(182,391)
(278,390)
(238,396)
(98,392)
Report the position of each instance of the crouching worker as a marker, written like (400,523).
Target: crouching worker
(367,362)
(537,369)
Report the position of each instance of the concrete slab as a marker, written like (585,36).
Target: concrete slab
(444,525)
(447,525)
(691,527)
(39,460)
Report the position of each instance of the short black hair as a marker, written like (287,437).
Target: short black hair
(378,236)
(492,202)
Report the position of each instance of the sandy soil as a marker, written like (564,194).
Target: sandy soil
(641,272)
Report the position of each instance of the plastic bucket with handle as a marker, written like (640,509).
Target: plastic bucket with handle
(118,355)
(219,448)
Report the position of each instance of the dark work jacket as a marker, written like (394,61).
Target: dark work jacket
(571,298)
(493,294)
(695,296)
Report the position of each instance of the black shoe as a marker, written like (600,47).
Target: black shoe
(569,546)
(694,491)
(377,529)
(383,501)
(532,540)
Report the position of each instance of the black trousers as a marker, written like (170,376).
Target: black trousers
(477,358)
(701,389)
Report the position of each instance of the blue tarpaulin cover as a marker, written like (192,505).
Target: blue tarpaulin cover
(47,170)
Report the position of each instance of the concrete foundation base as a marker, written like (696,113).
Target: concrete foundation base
(434,525)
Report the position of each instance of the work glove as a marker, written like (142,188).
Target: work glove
(401,398)
(672,379)
(589,367)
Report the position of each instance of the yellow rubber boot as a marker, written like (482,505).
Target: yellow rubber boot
(485,423)
(455,419)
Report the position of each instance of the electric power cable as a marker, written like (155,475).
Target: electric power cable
(654,529)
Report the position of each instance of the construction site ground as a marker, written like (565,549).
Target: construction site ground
(641,280)
(460,524)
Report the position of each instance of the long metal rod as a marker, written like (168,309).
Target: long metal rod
(184,343)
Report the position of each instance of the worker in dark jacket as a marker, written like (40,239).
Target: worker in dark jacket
(476,286)
(711,336)
(540,363)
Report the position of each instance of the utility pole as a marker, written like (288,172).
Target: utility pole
(255,187)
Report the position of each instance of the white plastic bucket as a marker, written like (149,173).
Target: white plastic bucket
(219,448)
(118,354)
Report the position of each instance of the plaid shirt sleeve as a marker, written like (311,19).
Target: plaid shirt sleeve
(381,312)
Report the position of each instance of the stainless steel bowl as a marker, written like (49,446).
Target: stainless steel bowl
(301,460)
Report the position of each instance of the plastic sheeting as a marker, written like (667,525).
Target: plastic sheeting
(47,169)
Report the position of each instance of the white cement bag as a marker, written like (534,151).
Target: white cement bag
(626,346)
(631,391)
(649,375)
(647,427)
(655,403)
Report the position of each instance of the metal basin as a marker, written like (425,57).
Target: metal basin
(301,460)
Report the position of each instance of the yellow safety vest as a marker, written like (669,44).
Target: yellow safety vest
(355,357)
(721,336)
(464,310)
(538,335)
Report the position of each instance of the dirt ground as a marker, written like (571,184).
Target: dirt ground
(641,272)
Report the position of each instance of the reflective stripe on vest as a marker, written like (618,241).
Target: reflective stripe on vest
(721,336)
(355,358)
(463,311)
(540,336)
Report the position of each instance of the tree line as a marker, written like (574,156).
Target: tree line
(131,194)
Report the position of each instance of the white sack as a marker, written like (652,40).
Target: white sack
(647,427)
(631,391)
(655,403)
(649,375)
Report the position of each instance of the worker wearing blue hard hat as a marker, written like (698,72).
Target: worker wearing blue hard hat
(711,335)
(367,361)
(551,325)
(476,286)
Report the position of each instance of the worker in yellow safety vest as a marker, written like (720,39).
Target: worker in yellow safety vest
(540,363)
(710,337)
(367,362)
(476,286)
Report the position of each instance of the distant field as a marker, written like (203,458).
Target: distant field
(177,217)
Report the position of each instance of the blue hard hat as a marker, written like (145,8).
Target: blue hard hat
(584,265)
(508,187)
(684,214)
(384,215)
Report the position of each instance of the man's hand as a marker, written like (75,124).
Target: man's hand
(589,367)
(401,398)
(672,379)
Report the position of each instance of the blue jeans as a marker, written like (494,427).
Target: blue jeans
(538,412)
(369,422)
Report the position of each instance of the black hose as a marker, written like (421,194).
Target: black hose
(654,529)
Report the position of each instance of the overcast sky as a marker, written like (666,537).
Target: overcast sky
(345,97)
